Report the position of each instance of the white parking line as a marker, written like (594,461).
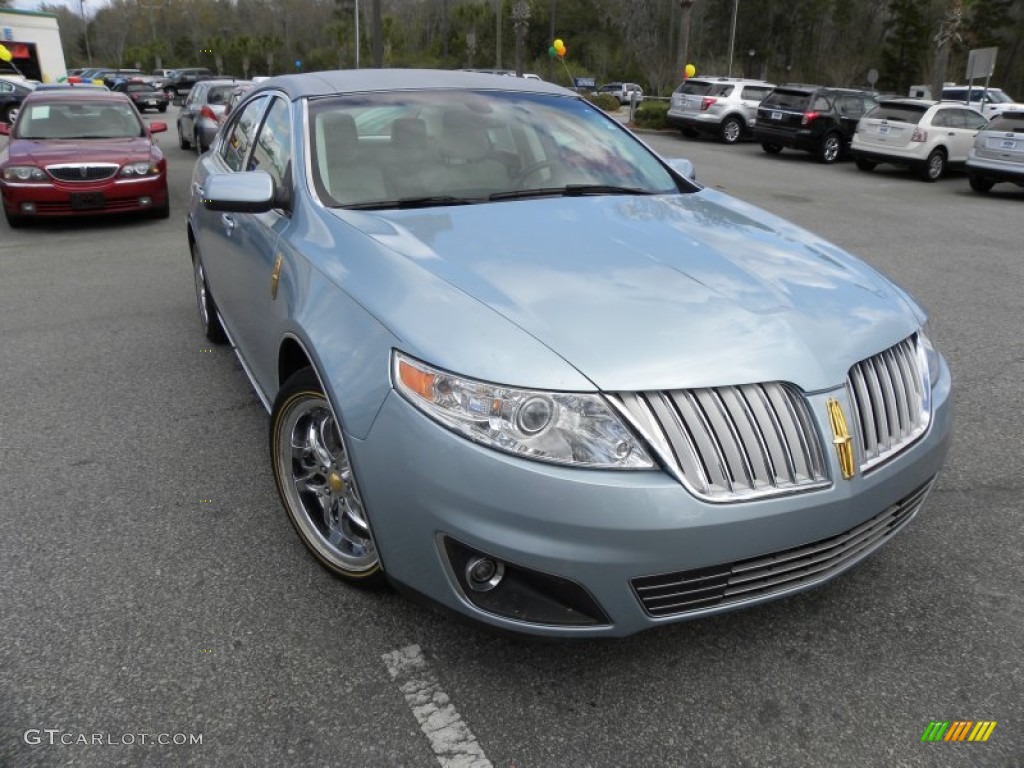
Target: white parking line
(449,736)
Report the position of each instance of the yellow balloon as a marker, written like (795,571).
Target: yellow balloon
(559,44)
(5,55)
(690,70)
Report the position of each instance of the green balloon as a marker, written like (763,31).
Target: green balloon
(552,52)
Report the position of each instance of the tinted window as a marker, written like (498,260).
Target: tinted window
(780,99)
(721,89)
(273,149)
(755,92)
(901,113)
(975,121)
(1008,121)
(240,134)
(218,94)
(694,88)
(851,106)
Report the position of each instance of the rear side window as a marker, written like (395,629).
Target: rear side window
(1008,121)
(240,134)
(901,113)
(755,92)
(721,89)
(779,99)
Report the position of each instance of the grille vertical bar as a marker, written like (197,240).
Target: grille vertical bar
(887,392)
(732,443)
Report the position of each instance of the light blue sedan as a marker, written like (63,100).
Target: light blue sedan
(517,363)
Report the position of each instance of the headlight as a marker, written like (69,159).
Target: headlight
(929,354)
(139,169)
(560,427)
(24,173)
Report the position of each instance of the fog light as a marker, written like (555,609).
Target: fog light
(483,574)
(28,207)
(145,201)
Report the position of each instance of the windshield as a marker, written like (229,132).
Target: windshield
(78,121)
(992,95)
(453,147)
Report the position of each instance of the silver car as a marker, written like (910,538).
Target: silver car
(998,153)
(201,114)
(723,106)
(521,365)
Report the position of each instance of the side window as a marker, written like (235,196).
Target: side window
(820,104)
(852,106)
(941,119)
(240,134)
(975,121)
(273,148)
(6,87)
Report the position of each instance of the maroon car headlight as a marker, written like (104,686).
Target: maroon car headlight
(24,173)
(140,169)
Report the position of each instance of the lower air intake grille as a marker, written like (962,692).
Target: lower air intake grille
(674,594)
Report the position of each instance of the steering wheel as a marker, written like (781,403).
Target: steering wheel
(528,171)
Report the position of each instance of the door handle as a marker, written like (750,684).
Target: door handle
(228,222)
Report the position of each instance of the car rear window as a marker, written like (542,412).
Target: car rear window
(219,94)
(694,88)
(795,100)
(720,89)
(1008,121)
(902,113)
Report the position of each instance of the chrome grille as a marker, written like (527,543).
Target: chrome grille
(731,443)
(82,171)
(890,395)
(674,594)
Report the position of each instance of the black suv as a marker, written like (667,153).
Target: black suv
(814,118)
(182,80)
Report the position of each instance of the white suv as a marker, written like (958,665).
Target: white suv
(623,91)
(923,135)
(726,106)
(995,101)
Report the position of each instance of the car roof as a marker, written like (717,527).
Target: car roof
(715,79)
(383,80)
(76,94)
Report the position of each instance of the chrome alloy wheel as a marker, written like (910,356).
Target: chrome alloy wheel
(201,298)
(830,149)
(318,486)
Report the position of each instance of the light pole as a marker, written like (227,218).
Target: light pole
(732,34)
(751,53)
(357,34)
(520,21)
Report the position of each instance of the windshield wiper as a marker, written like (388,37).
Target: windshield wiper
(412,202)
(570,190)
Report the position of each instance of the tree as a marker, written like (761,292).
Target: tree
(906,45)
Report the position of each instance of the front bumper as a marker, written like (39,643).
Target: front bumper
(604,531)
(55,198)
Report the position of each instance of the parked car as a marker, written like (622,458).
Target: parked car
(182,80)
(237,94)
(624,92)
(144,95)
(12,93)
(81,152)
(989,101)
(998,153)
(926,136)
(724,106)
(813,118)
(111,76)
(477,392)
(200,115)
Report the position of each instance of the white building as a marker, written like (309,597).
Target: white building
(33,39)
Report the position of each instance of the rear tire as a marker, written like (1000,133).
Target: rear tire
(830,149)
(182,141)
(934,166)
(771,148)
(730,131)
(980,183)
(864,165)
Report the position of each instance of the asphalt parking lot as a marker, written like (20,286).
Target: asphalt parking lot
(153,587)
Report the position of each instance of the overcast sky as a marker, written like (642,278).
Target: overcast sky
(33,5)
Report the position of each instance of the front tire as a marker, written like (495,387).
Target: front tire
(182,141)
(980,183)
(934,166)
(730,131)
(212,329)
(771,148)
(317,483)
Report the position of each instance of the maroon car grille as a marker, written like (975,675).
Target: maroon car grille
(83,171)
(676,594)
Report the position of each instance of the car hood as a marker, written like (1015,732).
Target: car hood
(53,151)
(659,292)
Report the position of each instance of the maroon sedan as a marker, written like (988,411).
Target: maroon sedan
(81,152)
